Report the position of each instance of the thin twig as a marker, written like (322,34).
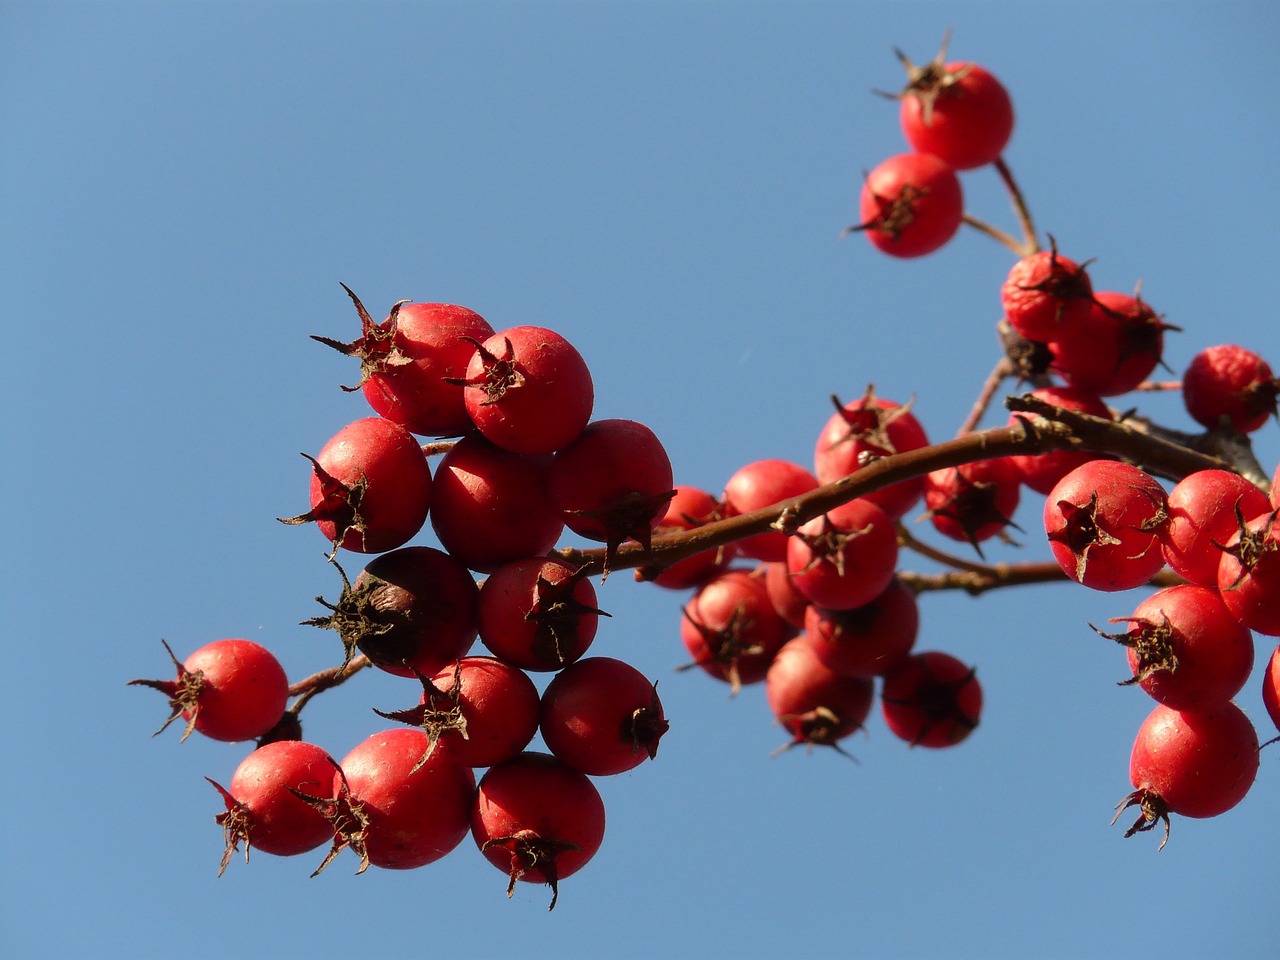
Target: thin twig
(1030,244)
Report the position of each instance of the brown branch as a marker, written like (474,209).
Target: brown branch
(308,687)
(1003,369)
(999,575)
(1031,243)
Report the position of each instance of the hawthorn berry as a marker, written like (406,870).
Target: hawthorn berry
(406,360)
(732,630)
(538,614)
(484,709)
(974,501)
(602,716)
(911,205)
(1046,294)
(262,809)
(1113,347)
(1185,648)
(1229,383)
(866,429)
(954,110)
(1249,573)
(1103,520)
(931,699)
(370,487)
(537,820)
(1202,517)
(413,609)
(1195,763)
(816,705)
(391,809)
(1271,687)
(490,506)
(228,690)
(689,509)
(867,641)
(845,557)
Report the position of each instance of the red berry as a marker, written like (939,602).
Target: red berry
(393,810)
(1194,763)
(869,640)
(1045,295)
(1230,382)
(763,484)
(1271,687)
(815,705)
(1042,471)
(1249,574)
(790,604)
(1111,349)
(528,390)
(482,709)
(228,690)
(1202,517)
(974,501)
(911,204)
(537,819)
(413,609)
(931,699)
(613,483)
(370,487)
(845,557)
(602,717)
(538,614)
(490,506)
(1185,649)
(405,362)
(1102,521)
(956,111)
(731,629)
(262,809)
(870,428)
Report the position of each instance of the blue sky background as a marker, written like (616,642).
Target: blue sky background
(184,186)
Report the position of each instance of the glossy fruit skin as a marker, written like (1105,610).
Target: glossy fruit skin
(481,709)
(761,484)
(1271,687)
(931,699)
(974,501)
(911,205)
(1046,294)
(602,717)
(613,482)
(867,641)
(537,819)
(228,690)
(788,602)
(1042,471)
(731,629)
(412,609)
(874,427)
(414,818)
(1195,763)
(688,509)
(1114,347)
(370,487)
(263,811)
(1102,521)
(1186,650)
(813,703)
(528,390)
(1231,382)
(1202,518)
(491,506)
(537,615)
(967,122)
(845,557)
(1249,574)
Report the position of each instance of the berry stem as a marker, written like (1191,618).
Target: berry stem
(1003,369)
(308,687)
(995,233)
(1030,243)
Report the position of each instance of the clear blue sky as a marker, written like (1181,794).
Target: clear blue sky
(186,184)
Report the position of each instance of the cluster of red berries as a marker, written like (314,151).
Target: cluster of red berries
(529,463)
(1110,524)
(812,604)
